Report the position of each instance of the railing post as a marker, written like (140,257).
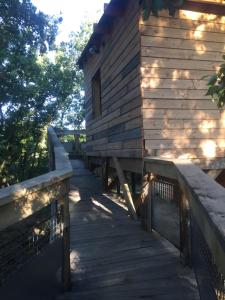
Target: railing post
(185,230)
(66,276)
(146,205)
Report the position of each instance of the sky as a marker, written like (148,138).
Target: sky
(72,11)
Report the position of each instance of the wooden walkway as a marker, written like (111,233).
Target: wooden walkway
(112,258)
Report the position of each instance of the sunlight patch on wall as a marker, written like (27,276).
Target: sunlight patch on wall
(200,48)
(197,35)
(176,75)
(208,148)
(205,125)
(192,15)
(151,83)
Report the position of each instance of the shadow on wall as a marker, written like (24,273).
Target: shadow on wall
(179,120)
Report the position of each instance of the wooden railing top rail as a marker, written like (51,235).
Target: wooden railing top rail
(22,199)
(206,198)
(63,132)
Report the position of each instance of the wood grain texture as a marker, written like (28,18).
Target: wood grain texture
(206,200)
(112,257)
(119,61)
(177,53)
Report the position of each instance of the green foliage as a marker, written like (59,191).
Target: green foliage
(216,86)
(35,88)
(25,35)
(67,54)
(154,6)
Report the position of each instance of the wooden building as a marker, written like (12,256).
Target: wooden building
(145,86)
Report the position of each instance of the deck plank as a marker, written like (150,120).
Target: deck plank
(113,258)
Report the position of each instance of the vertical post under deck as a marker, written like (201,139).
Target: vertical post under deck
(105,174)
(146,209)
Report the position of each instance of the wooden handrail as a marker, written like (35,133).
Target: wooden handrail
(63,132)
(19,201)
(15,200)
(206,198)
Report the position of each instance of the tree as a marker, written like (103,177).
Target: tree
(34,90)
(67,54)
(216,86)
(25,35)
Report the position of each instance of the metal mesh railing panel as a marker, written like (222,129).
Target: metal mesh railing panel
(165,209)
(211,282)
(23,241)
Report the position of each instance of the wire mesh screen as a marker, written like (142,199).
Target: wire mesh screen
(23,241)
(165,209)
(210,281)
(166,212)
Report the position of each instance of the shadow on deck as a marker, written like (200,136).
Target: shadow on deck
(112,257)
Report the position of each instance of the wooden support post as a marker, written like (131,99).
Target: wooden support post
(125,188)
(146,204)
(118,186)
(51,163)
(105,174)
(185,234)
(66,277)
(133,184)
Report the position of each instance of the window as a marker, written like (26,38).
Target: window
(96,95)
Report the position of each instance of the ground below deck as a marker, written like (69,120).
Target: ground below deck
(112,257)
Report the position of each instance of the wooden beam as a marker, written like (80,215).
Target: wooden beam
(28,203)
(95,160)
(105,6)
(160,167)
(134,165)
(62,132)
(116,10)
(214,173)
(125,188)
(100,29)
(205,7)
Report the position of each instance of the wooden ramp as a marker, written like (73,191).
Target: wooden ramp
(112,258)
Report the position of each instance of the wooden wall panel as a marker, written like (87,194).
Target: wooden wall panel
(176,53)
(119,130)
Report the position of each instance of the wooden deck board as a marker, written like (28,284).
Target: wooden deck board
(113,258)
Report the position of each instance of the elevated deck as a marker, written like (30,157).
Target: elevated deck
(112,257)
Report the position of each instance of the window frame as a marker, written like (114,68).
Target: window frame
(96,95)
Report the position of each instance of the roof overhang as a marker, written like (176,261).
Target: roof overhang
(113,10)
(116,8)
